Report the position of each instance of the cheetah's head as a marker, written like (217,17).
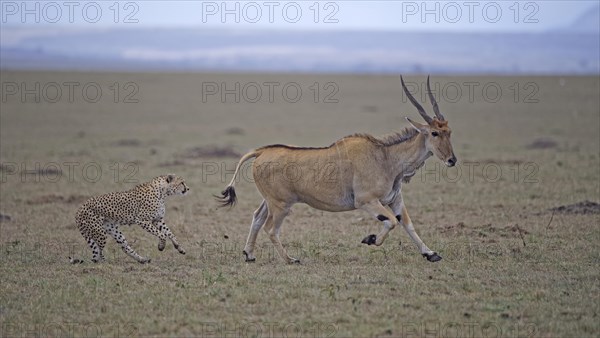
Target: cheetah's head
(173,185)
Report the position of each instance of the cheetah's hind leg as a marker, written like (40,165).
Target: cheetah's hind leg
(96,256)
(92,231)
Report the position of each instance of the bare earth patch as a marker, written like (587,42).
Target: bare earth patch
(485,230)
(498,161)
(542,143)
(173,163)
(235,131)
(52,198)
(582,208)
(211,151)
(128,143)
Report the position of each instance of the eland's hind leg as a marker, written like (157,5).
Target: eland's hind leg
(273,227)
(258,220)
(401,213)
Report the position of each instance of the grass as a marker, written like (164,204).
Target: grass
(506,270)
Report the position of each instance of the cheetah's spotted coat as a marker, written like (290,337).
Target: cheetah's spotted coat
(143,205)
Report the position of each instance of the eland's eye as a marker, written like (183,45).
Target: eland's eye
(435,133)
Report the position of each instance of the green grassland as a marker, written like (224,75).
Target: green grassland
(511,267)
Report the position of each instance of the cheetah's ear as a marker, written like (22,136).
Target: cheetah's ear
(170,178)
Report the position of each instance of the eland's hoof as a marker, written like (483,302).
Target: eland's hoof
(247,258)
(434,257)
(369,240)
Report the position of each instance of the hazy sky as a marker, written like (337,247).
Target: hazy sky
(384,15)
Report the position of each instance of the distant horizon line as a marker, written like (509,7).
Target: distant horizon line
(69,27)
(175,71)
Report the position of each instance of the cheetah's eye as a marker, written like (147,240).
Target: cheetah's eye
(435,134)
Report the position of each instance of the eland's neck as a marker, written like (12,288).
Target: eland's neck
(408,156)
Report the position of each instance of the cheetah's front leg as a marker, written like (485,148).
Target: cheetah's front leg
(114,231)
(151,228)
(164,229)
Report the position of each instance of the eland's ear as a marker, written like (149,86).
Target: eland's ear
(170,178)
(421,128)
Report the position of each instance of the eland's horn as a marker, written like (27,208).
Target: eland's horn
(426,117)
(436,109)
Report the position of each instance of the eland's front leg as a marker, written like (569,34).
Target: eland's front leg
(402,216)
(382,214)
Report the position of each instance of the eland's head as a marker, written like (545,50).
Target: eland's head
(436,131)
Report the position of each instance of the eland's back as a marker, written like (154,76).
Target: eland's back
(323,178)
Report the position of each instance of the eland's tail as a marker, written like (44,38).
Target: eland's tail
(228,196)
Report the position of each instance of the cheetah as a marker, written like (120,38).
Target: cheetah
(143,205)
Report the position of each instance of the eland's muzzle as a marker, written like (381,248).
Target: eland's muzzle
(452,161)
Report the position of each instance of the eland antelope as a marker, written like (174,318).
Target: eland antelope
(362,172)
